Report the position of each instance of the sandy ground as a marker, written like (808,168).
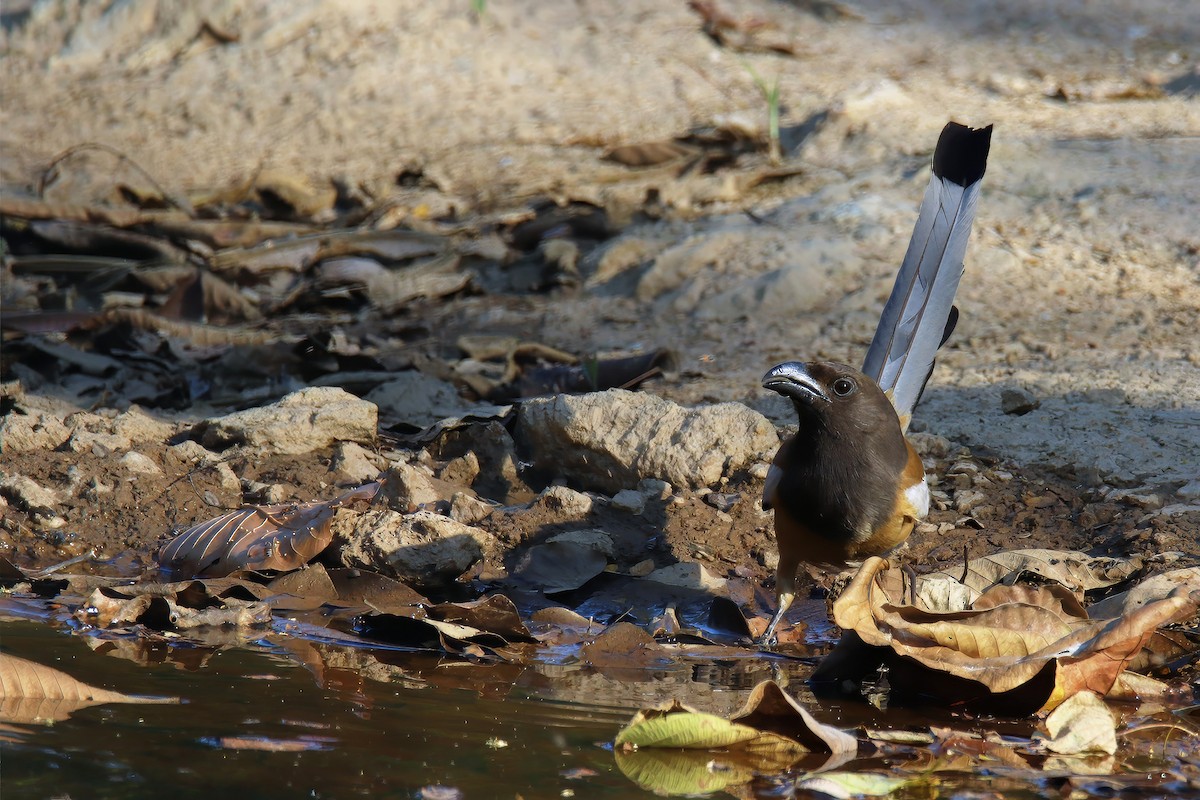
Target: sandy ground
(1083,277)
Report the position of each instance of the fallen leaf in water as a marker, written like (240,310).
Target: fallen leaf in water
(279,537)
(32,692)
(269,745)
(678,726)
(852,784)
(494,614)
(1082,724)
(1027,656)
(770,708)
(686,772)
(770,722)
(176,606)
(623,646)
(770,733)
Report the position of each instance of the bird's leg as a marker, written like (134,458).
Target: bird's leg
(785,587)
(785,602)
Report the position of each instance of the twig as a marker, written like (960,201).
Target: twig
(176,200)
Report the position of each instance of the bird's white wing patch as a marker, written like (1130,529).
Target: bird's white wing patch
(917,496)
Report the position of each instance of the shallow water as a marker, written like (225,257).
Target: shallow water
(302,712)
(363,737)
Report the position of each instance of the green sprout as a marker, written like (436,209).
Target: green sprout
(770,93)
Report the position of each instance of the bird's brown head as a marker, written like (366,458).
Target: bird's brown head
(832,396)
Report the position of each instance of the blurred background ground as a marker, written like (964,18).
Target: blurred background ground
(1083,277)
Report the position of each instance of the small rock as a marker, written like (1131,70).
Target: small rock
(1017,402)
(565,501)
(301,422)
(416,399)
(759,470)
(469,509)
(964,501)
(655,489)
(722,501)
(688,574)
(353,464)
(462,470)
(423,549)
(1189,491)
(642,568)
(21,433)
(1147,500)
(406,486)
(101,445)
(191,452)
(565,562)
(629,500)
(140,428)
(227,478)
(27,495)
(610,440)
(257,493)
(139,463)
(930,445)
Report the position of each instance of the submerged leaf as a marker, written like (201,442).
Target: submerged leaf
(852,784)
(31,692)
(686,772)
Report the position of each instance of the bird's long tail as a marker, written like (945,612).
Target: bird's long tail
(920,313)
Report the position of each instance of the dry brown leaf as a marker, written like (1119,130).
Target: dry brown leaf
(32,692)
(494,614)
(294,194)
(279,537)
(177,606)
(623,645)
(1002,648)
(1153,588)
(770,708)
(1077,571)
(650,154)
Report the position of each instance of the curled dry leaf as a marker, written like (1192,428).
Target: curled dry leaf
(1077,571)
(31,692)
(177,606)
(770,708)
(1041,654)
(278,537)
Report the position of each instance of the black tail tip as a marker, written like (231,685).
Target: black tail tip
(961,154)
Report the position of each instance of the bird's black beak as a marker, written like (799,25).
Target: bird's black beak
(792,379)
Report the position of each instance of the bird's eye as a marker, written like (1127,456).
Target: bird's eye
(844,387)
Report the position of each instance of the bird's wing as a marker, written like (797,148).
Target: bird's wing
(917,317)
